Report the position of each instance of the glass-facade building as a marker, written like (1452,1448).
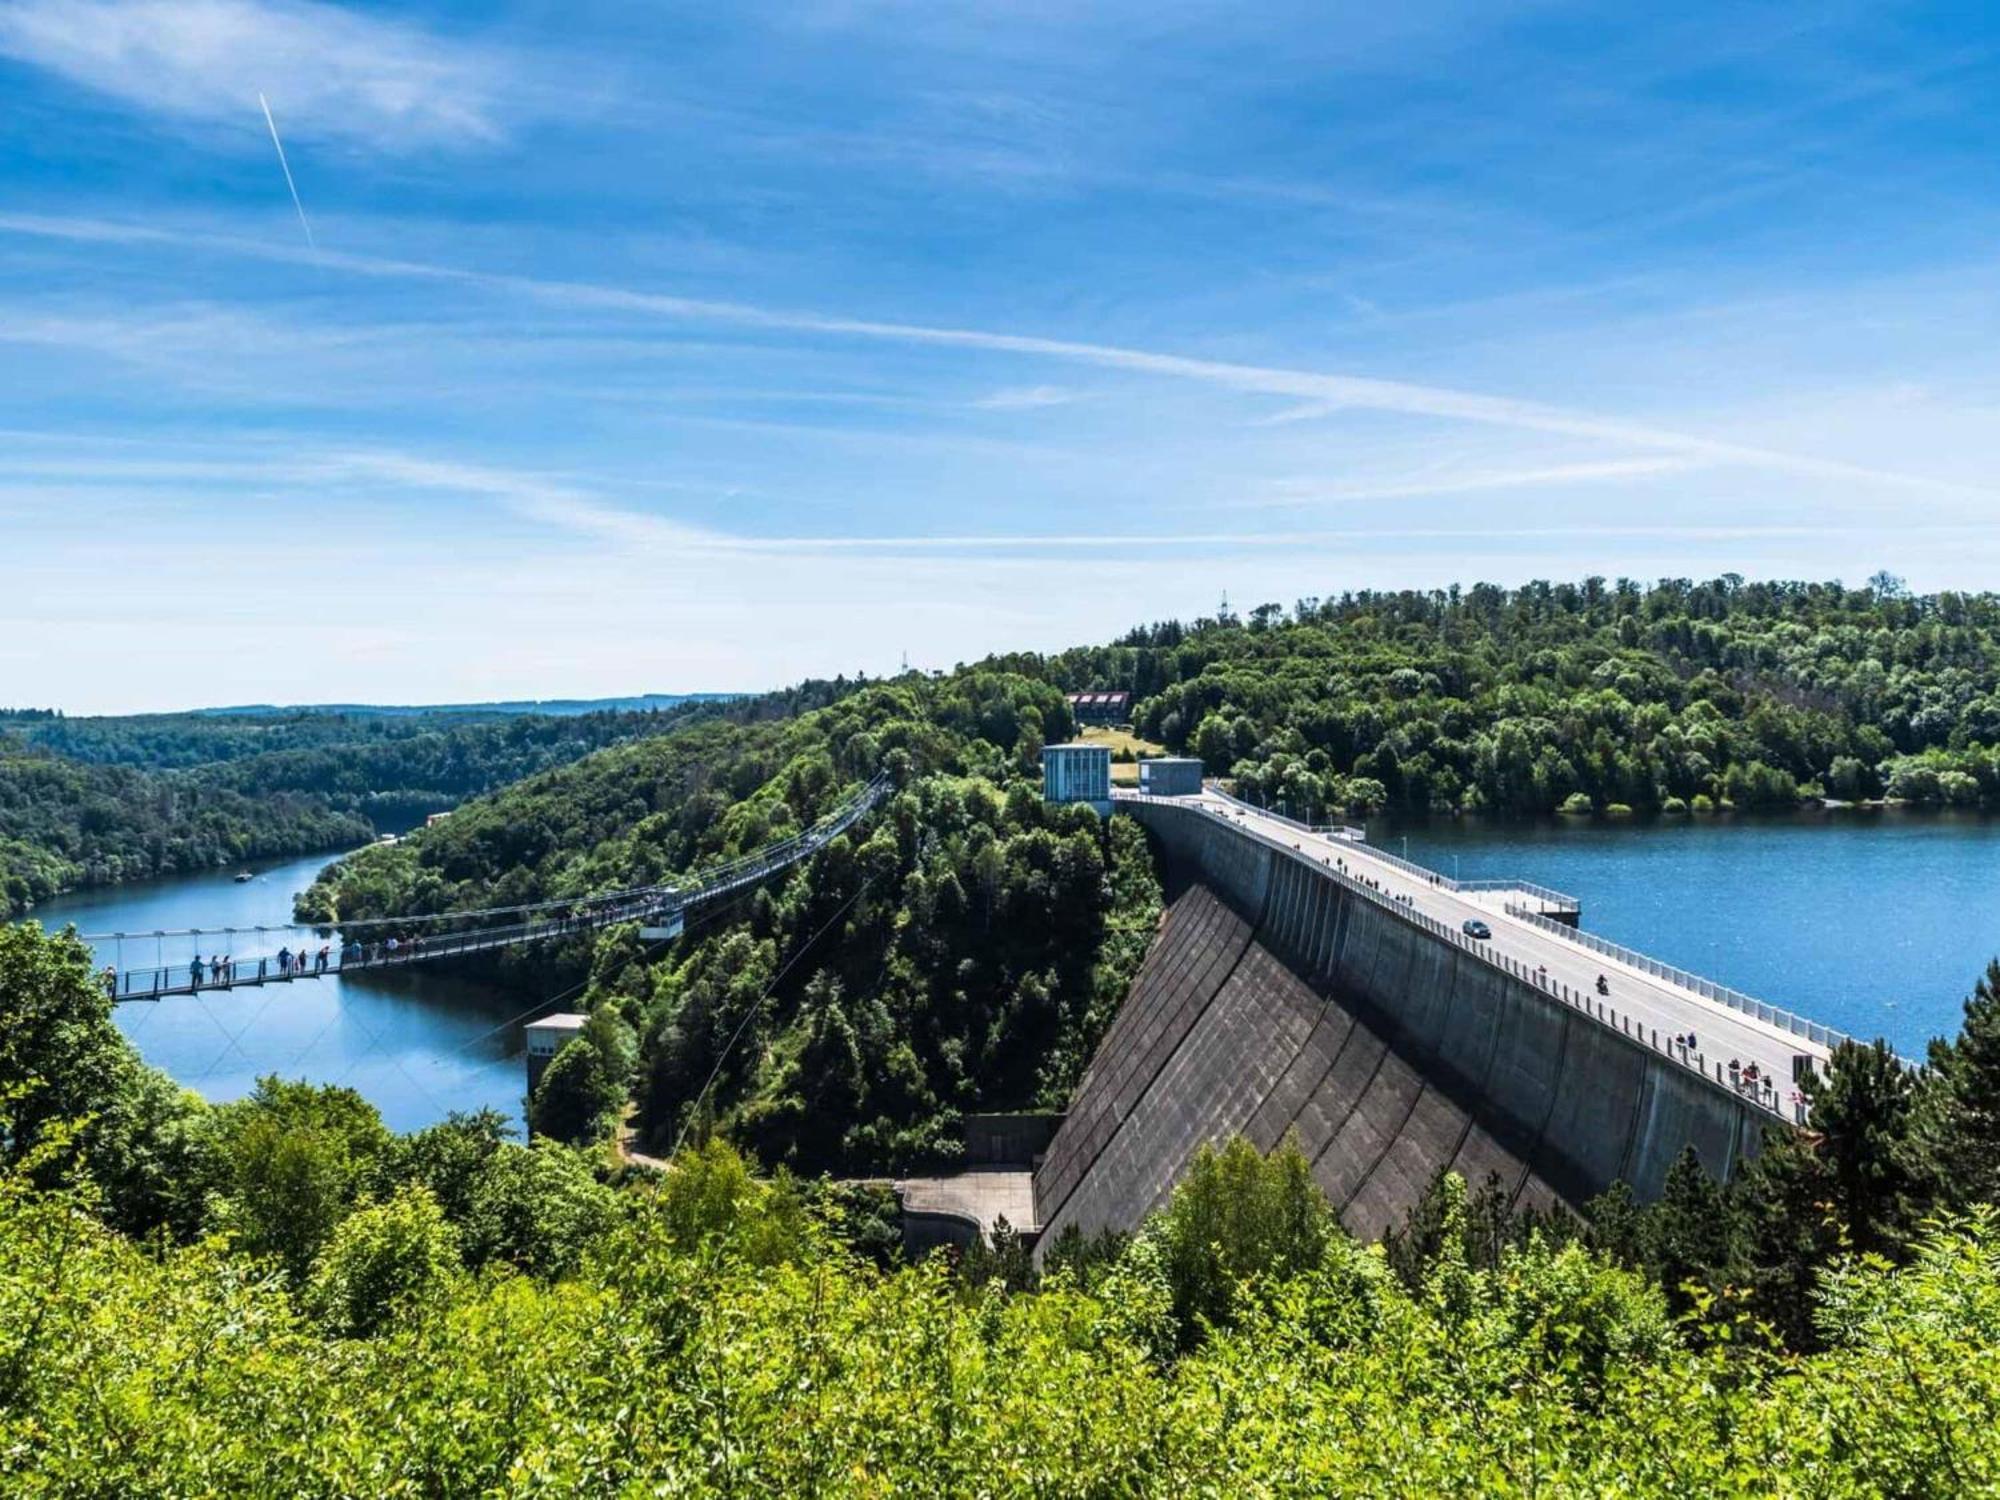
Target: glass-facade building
(1077,773)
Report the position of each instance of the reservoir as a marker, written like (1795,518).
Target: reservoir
(1876,923)
(418,1043)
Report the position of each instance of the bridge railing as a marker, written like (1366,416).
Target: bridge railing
(1325,830)
(1708,989)
(1763,1094)
(1550,899)
(354,947)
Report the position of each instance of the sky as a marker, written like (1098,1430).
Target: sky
(436,352)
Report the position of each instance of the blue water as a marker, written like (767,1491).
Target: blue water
(417,1043)
(1876,923)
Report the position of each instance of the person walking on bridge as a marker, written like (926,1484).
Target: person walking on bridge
(194,973)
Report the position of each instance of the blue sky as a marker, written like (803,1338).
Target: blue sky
(675,347)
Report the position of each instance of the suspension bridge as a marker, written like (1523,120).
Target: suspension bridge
(311,951)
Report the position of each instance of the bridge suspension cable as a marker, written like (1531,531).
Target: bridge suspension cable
(474,930)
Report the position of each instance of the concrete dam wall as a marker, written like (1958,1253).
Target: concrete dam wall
(1281,996)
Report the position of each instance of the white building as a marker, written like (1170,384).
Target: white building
(1077,773)
(546,1037)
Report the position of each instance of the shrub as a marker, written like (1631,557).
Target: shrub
(386,1260)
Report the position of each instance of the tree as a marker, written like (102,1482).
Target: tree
(450,1159)
(578,1096)
(1850,1183)
(69,1069)
(1862,1116)
(289,1162)
(1958,1109)
(538,1208)
(386,1260)
(1237,1215)
(1689,1236)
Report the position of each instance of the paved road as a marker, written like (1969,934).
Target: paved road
(1664,1009)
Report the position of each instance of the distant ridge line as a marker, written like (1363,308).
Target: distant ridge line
(559,707)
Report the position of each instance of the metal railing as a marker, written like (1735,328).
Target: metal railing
(477,931)
(1763,1094)
(1345,831)
(1708,989)
(1550,899)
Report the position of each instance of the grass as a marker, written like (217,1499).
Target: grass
(1122,742)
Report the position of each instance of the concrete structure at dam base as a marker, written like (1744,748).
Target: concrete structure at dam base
(1285,995)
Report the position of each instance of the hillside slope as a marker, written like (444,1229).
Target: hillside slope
(961,951)
(1666,697)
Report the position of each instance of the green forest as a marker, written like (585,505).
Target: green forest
(1672,698)
(65,824)
(278,1296)
(964,955)
(98,801)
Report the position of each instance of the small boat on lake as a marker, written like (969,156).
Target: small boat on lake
(244,877)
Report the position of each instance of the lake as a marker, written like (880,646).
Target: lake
(417,1043)
(1875,922)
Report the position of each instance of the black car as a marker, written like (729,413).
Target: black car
(1474,928)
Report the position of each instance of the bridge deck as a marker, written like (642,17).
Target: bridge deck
(479,932)
(160,983)
(1664,1003)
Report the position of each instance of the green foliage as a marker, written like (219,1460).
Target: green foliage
(1567,696)
(1236,1216)
(386,1261)
(290,1161)
(67,1068)
(535,1208)
(711,1205)
(683,1357)
(64,825)
(95,801)
(1958,1113)
(579,1096)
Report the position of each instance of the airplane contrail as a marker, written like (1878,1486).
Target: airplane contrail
(287,168)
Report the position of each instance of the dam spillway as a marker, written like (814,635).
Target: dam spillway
(1282,994)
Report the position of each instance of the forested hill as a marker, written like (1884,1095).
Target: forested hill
(984,944)
(971,942)
(64,825)
(1593,695)
(95,801)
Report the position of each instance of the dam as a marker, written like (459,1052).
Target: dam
(1304,981)
(1309,983)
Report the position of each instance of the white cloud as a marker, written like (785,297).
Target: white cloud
(330,73)
(1359,392)
(1467,482)
(1025,398)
